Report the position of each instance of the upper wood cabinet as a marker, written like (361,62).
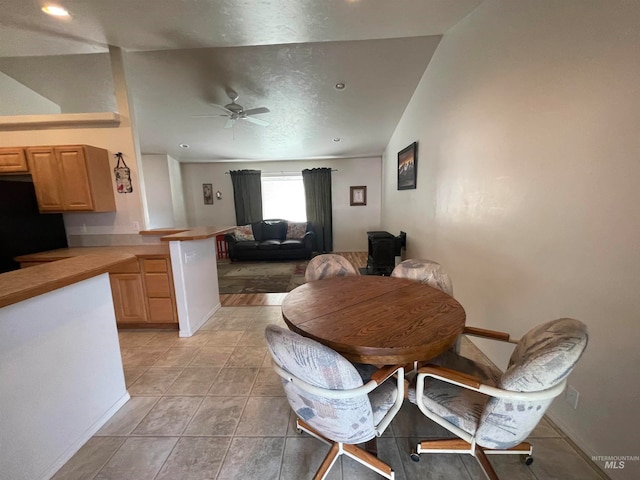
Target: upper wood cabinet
(13,160)
(73,178)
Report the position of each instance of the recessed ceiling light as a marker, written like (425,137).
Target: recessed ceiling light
(184,145)
(55,11)
(337,139)
(340,86)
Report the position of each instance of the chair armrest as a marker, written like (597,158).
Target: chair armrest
(349,393)
(230,238)
(383,373)
(449,376)
(489,334)
(473,383)
(308,239)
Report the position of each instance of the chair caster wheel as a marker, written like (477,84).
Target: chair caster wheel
(415,456)
(528,460)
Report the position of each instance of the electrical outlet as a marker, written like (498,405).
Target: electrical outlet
(571,396)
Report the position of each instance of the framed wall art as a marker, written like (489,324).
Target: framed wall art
(358,195)
(207,193)
(408,167)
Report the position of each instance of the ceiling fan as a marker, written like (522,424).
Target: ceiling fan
(234,111)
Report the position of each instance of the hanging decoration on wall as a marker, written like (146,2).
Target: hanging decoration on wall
(123,175)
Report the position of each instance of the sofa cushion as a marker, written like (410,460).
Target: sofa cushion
(296,230)
(243,233)
(269,245)
(292,244)
(272,230)
(246,245)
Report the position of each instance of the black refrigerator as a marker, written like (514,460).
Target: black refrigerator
(23,229)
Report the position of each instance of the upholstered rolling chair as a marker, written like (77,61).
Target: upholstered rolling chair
(424,271)
(329,397)
(328,265)
(491,412)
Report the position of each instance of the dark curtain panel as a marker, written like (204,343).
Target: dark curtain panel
(317,193)
(247,195)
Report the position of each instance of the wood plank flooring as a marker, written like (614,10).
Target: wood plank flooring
(358,259)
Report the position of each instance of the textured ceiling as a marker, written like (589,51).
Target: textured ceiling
(286,55)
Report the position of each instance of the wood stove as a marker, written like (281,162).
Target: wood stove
(381,253)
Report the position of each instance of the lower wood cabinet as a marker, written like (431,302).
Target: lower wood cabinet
(128,298)
(158,280)
(143,295)
(143,292)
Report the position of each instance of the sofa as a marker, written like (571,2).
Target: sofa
(273,239)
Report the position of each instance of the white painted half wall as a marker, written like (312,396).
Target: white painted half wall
(527,120)
(195,276)
(350,224)
(61,376)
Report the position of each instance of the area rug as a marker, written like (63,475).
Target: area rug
(260,277)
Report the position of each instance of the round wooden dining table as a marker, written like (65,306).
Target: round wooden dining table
(375,320)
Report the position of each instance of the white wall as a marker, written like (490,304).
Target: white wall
(350,224)
(527,120)
(17,99)
(177,193)
(195,276)
(62,376)
(155,169)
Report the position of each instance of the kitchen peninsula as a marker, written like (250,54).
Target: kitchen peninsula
(60,365)
(173,284)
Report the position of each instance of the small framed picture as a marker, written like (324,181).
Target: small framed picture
(358,195)
(207,193)
(408,167)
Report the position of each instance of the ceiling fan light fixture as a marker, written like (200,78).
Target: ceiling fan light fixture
(55,11)
(340,86)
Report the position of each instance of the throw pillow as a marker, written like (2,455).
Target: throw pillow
(243,233)
(296,230)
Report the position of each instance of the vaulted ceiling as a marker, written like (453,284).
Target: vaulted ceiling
(182,56)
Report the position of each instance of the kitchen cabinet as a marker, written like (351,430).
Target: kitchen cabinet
(71,178)
(127,289)
(128,298)
(143,291)
(13,160)
(160,292)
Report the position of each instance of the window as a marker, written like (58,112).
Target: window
(283,197)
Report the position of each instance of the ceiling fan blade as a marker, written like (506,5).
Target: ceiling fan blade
(229,123)
(255,111)
(257,121)
(210,116)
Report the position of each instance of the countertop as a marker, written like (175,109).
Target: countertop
(23,284)
(196,233)
(62,253)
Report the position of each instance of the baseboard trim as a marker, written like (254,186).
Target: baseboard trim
(84,438)
(194,328)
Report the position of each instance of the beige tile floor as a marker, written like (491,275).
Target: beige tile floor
(210,407)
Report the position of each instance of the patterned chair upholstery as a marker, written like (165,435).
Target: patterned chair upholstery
(494,412)
(328,265)
(330,399)
(424,271)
